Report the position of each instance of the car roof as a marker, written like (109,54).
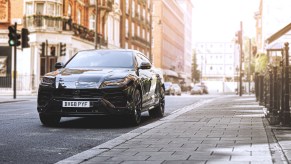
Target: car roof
(122,50)
(118,49)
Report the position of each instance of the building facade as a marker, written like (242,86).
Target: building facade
(217,60)
(60,28)
(135,26)
(218,64)
(168,39)
(187,7)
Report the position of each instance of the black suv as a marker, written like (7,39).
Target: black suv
(101,82)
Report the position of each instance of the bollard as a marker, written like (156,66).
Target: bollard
(261,89)
(274,118)
(270,90)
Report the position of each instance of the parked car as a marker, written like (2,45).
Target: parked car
(169,88)
(101,82)
(205,88)
(196,89)
(177,89)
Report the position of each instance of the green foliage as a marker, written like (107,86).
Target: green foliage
(261,63)
(194,71)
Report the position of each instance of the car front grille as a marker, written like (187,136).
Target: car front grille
(78,93)
(116,97)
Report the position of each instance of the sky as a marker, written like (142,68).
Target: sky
(218,20)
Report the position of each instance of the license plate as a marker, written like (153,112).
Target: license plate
(76,104)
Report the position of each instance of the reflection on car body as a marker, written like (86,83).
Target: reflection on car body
(101,82)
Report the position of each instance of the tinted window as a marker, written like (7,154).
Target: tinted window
(115,59)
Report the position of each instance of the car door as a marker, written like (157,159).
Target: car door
(151,82)
(143,76)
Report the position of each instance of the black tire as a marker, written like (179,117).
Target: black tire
(135,116)
(49,120)
(159,110)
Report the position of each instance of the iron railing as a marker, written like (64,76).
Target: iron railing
(272,90)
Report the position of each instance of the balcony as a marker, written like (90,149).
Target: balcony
(141,41)
(44,22)
(86,34)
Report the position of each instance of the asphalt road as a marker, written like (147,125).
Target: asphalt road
(23,139)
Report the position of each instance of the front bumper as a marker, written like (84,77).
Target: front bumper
(102,101)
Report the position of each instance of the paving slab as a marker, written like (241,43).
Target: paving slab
(227,129)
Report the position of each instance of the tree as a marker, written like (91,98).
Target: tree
(261,63)
(195,72)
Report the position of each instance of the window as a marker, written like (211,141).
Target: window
(50,9)
(69,10)
(29,9)
(132,28)
(92,22)
(133,12)
(138,30)
(126,27)
(39,8)
(79,17)
(126,6)
(59,11)
(92,2)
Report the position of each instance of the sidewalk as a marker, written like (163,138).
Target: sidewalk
(228,129)
(10,99)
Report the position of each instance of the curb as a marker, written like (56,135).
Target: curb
(11,101)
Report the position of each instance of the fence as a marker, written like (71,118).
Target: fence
(272,90)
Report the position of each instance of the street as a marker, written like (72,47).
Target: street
(23,139)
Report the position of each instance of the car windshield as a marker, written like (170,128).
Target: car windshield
(111,59)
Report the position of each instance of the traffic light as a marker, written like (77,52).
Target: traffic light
(62,49)
(24,38)
(238,37)
(42,49)
(13,36)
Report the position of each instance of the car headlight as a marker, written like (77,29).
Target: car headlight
(48,80)
(116,82)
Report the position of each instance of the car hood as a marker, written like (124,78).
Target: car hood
(87,78)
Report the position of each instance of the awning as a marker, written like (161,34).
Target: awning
(168,72)
(277,46)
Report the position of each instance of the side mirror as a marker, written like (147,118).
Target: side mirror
(59,65)
(145,65)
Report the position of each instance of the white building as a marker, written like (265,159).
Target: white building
(217,62)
